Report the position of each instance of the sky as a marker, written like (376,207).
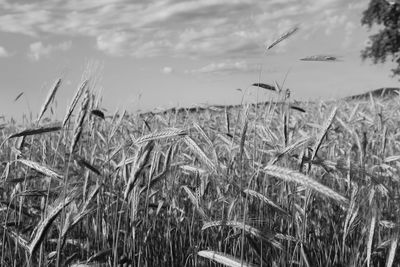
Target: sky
(149,54)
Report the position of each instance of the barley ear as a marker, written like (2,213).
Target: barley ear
(74,102)
(222,258)
(142,158)
(79,122)
(296,177)
(49,99)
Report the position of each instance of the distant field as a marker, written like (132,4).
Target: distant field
(310,184)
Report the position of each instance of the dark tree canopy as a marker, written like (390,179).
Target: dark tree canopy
(386,43)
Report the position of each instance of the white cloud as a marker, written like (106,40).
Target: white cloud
(191,28)
(349,29)
(167,70)
(4,52)
(112,42)
(317,6)
(358,5)
(38,49)
(183,10)
(22,19)
(226,67)
(332,22)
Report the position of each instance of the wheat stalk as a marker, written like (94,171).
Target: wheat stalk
(283,37)
(265,199)
(371,236)
(269,236)
(48,100)
(167,133)
(322,134)
(18,238)
(243,135)
(222,258)
(143,156)
(74,102)
(292,176)
(195,202)
(200,153)
(42,169)
(392,251)
(289,149)
(208,141)
(44,224)
(79,122)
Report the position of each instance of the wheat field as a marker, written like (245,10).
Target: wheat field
(275,184)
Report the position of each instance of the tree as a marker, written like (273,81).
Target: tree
(385,14)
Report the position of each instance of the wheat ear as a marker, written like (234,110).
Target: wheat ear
(49,98)
(293,176)
(74,102)
(222,258)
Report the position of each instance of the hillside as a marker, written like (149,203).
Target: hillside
(384,92)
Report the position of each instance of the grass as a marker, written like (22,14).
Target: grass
(250,185)
(276,184)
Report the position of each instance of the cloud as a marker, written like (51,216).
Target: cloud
(227,67)
(317,6)
(167,70)
(4,52)
(191,11)
(358,5)
(349,29)
(334,21)
(112,43)
(146,28)
(38,49)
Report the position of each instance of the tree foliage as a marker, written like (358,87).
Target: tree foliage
(385,44)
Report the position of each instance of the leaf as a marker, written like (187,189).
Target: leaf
(33,131)
(98,113)
(84,163)
(265,86)
(18,96)
(320,58)
(298,108)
